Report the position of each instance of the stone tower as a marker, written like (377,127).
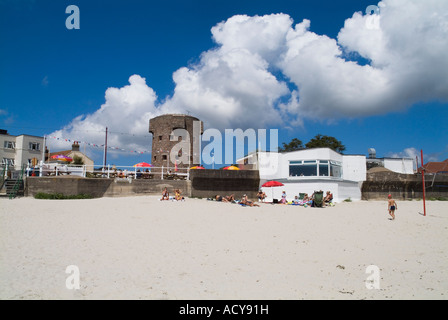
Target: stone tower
(165,138)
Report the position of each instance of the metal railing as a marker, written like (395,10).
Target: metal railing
(3,177)
(118,172)
(17,185)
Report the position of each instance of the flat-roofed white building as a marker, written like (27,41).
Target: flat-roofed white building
(306,171)
(18,151)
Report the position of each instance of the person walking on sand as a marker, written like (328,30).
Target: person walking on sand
(391,206)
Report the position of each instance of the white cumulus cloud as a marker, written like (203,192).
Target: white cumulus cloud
(266,71)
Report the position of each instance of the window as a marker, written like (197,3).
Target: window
(323,169)
(155,158)
(335,169)
(302,169)
(164,157)
(34,146)
(160,138)
(8,161)
(9,145)
(314,168)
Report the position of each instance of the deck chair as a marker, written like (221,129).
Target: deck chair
(318,199)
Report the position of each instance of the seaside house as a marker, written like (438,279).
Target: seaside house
(435,167)
(309,170)
(21,150)
(89,164)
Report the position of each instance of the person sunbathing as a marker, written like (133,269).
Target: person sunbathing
(220,198)
(247,202)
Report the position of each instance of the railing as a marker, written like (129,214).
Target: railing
(3,177)
(17,184)
(119,172)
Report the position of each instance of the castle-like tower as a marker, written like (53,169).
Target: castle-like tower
(164,139)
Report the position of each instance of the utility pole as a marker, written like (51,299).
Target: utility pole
(424,186)
(105,152)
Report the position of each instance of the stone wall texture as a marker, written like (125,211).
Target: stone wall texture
(161,128)
(404,186)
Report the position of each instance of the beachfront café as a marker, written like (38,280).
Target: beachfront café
(306,171)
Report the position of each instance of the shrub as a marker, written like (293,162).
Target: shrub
(60,196)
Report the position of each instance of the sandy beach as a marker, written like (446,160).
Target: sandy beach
(142,248)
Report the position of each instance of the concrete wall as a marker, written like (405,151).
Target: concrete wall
(103,187)
(202,183)
(208,183)
(403,186)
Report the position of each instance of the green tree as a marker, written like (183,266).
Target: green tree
(294,145)
(320,141)
(77,160)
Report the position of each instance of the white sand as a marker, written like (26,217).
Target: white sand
(141,248)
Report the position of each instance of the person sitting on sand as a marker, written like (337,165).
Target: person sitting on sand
(245,201)
(391,206)
(177,195)
(328,198)
(261,196)
(165,194)
(296,200)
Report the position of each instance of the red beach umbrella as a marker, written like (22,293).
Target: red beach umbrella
(272,183)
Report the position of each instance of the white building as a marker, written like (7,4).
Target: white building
(309,170)
(399,165)
(18,151)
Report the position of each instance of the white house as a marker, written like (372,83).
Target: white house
(306,171)
(18,151)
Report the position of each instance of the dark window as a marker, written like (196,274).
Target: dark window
(164,157)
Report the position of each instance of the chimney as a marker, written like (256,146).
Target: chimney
(75,146)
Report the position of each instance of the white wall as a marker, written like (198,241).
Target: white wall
(23,152)
(400,165)
(354,168)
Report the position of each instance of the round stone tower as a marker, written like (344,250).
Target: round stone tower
(169,133)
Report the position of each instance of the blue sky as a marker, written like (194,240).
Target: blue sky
(388,90)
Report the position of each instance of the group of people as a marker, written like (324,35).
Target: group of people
(231,199)
(305,201)
(177,195)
